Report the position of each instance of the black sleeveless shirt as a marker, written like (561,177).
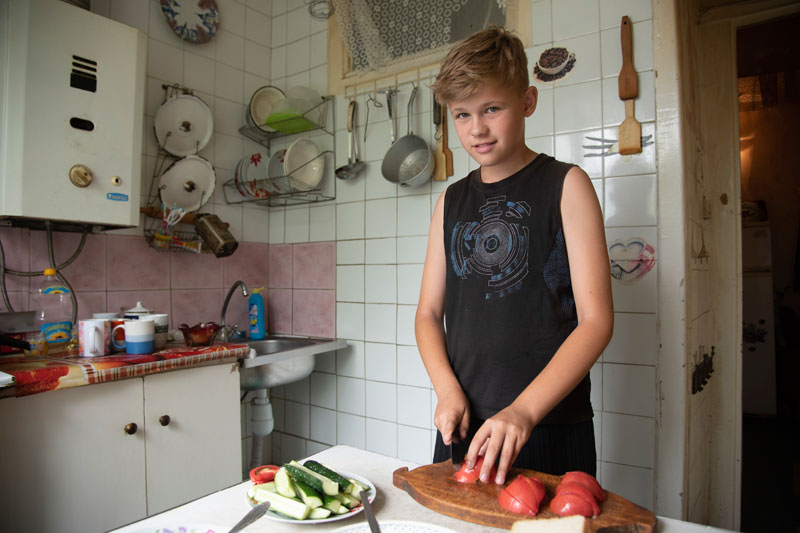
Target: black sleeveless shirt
(509,302)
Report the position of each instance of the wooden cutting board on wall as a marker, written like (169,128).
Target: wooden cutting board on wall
(435,487)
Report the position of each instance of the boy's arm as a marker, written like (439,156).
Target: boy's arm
(582,222)
(452,408)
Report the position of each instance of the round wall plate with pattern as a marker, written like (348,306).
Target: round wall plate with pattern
(194,21)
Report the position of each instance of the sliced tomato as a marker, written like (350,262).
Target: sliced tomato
(473,474)
(263,474)
(588,481)
(508,502)
(529,491)
(573,487)
(569,504)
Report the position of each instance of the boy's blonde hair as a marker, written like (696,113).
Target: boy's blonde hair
(490,56)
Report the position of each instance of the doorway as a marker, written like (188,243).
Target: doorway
(768,71)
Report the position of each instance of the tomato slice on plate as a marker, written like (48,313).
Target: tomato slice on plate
(263,474)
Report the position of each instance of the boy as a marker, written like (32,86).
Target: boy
(515,304)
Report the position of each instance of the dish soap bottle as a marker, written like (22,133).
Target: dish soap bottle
(258,318)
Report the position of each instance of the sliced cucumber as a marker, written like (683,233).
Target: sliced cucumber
(308,495)
(359,485)
(283,484)
(348,499)
(342,510)
(281,504)
(316,481)
(319,513)
(270,486)
(330,502)
(344,483)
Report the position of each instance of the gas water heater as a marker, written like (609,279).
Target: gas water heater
(72,87)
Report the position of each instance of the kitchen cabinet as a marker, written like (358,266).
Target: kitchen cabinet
(99,456)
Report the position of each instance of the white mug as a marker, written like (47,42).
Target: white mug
(94,337)
(139,336)
(161,327)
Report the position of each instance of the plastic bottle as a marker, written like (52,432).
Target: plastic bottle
(258,318)
(51,300)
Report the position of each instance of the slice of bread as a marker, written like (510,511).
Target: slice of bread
(567,524)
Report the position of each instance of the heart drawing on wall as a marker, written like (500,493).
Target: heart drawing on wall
(631,260)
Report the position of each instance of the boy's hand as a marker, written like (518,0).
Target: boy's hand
(500,437)
(452,414)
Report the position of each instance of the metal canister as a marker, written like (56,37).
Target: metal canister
(215,235)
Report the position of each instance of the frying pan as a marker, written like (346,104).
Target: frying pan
(408,162)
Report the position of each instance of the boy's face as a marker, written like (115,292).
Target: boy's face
(491,127)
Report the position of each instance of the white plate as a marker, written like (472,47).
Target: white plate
(251,175)
(396,526)
(371,493)
(278,182)
(195,21)
(262,103)
(185,528)
(304,165)
(183,125)
(188,183)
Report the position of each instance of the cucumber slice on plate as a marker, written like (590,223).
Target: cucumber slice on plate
(281,504)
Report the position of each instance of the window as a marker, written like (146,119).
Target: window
(372,39)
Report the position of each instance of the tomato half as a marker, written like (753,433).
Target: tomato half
(588,481)
(572,487)
(473,474)
(263,474)
(570,504)
(529,491)
(510,503)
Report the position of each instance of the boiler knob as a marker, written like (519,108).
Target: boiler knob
(80,176)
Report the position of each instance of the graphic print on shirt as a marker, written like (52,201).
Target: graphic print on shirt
(494,248)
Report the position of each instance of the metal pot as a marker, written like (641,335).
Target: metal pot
(408,162)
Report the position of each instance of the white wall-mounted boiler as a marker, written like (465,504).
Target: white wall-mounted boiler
(72,87)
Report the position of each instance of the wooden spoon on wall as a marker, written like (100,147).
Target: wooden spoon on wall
(630,131)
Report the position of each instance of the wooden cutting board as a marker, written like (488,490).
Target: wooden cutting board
(435,487)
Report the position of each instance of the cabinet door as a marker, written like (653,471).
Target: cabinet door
(199,450)
(67,463)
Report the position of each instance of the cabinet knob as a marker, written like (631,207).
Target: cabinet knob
(164,420)
(131,428)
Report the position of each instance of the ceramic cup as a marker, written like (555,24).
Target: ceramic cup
(139,336)
(117,335)
(94,337)
(161,326)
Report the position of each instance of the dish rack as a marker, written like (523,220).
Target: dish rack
(185,240)
(325,191)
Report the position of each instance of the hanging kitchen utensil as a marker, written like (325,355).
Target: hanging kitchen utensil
(408,162)
(630,131)
(440,165)
(183,125)
(353,166)
(448,155)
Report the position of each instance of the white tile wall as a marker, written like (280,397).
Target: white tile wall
(275,42)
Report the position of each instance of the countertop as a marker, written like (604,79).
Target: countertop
(224,508)
(52,372)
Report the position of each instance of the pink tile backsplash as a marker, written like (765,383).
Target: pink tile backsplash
(133,264)
(115,272)
(280,266)
(314,265)
(314,312)
(87,272)
(279,316)
(195,271)
(157,301)
(16,249)
(192,306)
(250,263)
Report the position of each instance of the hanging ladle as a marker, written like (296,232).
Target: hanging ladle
(353,166)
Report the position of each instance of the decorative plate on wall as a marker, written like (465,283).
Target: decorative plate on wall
(195,21)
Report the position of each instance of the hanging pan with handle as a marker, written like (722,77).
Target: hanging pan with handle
(408,162)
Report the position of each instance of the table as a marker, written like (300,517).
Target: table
(228,506)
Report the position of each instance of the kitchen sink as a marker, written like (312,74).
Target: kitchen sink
(279,360)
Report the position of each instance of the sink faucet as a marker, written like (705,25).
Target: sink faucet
(223,333)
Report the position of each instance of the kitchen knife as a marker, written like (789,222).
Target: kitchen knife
(373,523)
(440,167)
(459,448)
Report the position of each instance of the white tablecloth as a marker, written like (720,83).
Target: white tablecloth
(228,506)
